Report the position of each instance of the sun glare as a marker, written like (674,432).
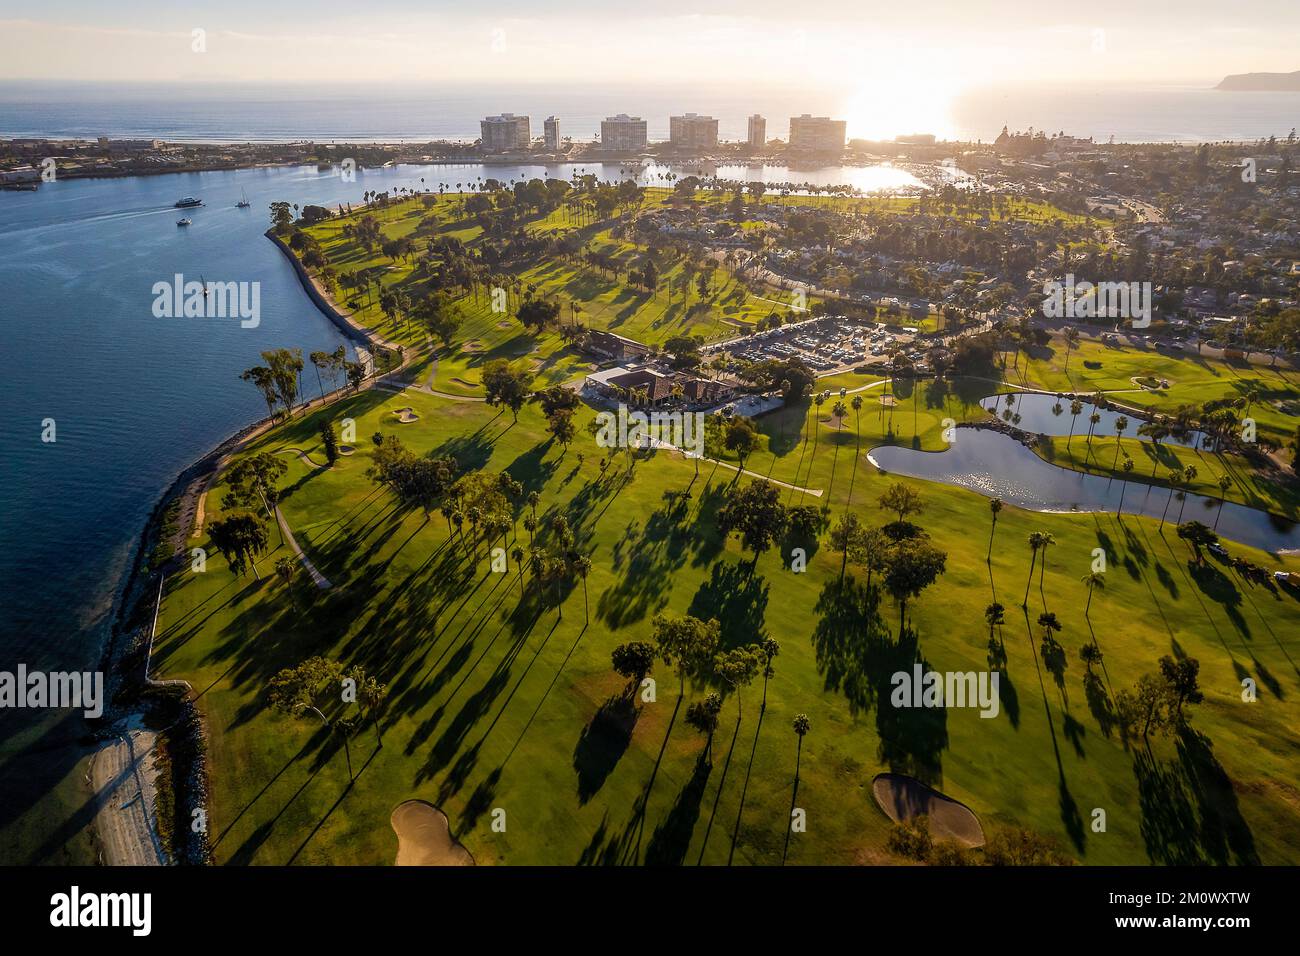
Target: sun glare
(886,106)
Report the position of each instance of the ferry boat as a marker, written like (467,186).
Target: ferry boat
(182,222)
(187,202)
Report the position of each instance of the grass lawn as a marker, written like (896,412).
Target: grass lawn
(493,698)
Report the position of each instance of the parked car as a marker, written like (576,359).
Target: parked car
(1218,550)
(1282,577)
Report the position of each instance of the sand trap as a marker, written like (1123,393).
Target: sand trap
(406,415)
(424,837)
(905,798)
(1161,383)
(888,401)
(473,346)
(504,324)
(346,450)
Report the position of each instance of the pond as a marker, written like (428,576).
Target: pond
(998,466)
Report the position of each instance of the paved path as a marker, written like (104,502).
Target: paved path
(319,579)
(668,446)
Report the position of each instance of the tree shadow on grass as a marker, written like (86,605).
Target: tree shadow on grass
(602,744)
(668,843)
(737,599)
(1189,807)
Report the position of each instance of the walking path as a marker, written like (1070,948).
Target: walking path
(669,446)
(319,579)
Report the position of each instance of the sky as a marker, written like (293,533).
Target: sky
(883,59)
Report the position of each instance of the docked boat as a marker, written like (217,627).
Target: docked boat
(182,222)
(188,202)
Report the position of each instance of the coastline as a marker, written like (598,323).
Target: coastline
(138,700)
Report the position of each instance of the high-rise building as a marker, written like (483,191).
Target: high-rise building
(622,132)
(817,133)
(504,133)
(757,132)
(552,128)
(691,131)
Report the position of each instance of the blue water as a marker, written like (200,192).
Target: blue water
(1036,415)
(218,112)
(996,465)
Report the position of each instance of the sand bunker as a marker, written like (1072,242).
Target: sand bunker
(905,798)
(406,415)
(424,837)
(346,450)
(461,381)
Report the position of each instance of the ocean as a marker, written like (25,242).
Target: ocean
(332,113)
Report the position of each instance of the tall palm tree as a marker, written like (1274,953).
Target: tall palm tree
(1224,484)
(582,565)
(1189,475)
(1076,408)
(1121,424)
(995,506)
(1175,479)
(1095,581)
(1047,539)
(1093,420)
(1035,542)
(1123,489)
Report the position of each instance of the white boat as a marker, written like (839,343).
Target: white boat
(182,222)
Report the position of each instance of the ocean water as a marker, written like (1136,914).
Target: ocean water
(251,113)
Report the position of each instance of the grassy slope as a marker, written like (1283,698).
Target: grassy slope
(488,705)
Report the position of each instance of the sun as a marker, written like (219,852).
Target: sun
(897,104)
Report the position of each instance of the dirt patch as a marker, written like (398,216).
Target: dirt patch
(424,837)
(888,401)
(904,798)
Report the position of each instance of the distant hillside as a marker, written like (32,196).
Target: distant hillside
(1262,82)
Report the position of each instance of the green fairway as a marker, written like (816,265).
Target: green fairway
(492,697)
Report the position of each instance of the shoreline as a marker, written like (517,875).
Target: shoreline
(136,698)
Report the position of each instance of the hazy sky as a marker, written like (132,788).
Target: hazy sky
(934,48)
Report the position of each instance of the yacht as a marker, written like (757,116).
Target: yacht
(187,202)
(182,222)
(243,203)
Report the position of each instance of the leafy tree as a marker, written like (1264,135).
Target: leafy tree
(703,716)
(507,384)
(1198,536)
(913,566)
(240,537)
(741,438)
(901,500)
(633,660)
(686,644)
(537,314)
(755,513)
(312,686)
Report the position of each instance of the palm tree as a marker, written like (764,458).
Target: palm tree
(1121,424)
(1095,581)
(582,565)
(1123,489)
(1035,542)
(1224,484)
(995,506)
(769,649)
(1076,407)
(801,727)
(995,615)
(518,556)
(1093,421)
(1175,479)
(1047,539)
(1189,475)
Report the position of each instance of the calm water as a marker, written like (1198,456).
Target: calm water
(1037,415)
(997,465)
(253,113)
